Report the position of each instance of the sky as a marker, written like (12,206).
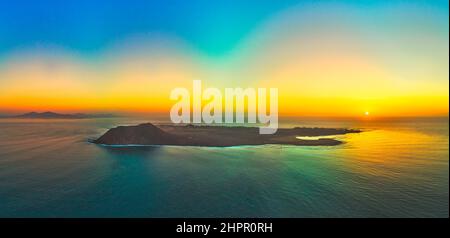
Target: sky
(327,58)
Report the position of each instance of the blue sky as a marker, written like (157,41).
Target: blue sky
(214,27)
(335,57)
(88,26)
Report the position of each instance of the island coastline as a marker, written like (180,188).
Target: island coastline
(148,134)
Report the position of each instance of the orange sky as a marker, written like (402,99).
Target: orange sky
(321,68)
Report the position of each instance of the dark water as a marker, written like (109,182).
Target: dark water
(394,169)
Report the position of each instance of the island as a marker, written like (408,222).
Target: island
(216,136)
(54,115)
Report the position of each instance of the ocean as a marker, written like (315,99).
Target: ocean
(395,168)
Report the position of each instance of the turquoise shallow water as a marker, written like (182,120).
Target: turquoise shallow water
(394,169)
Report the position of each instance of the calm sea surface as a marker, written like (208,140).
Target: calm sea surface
(397,168)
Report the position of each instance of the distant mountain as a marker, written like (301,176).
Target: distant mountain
(54,115)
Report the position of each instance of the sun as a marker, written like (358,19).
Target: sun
(366,113)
